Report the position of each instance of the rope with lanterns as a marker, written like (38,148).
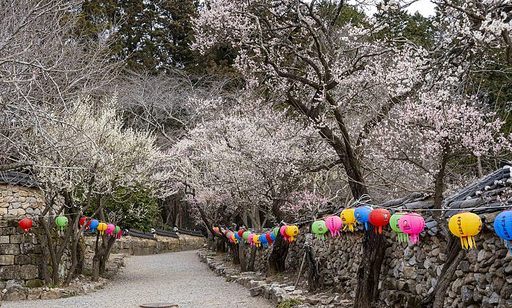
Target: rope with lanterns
(406,225)
(86,224)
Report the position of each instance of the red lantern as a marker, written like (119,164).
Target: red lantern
(25,224)
(269,238)
(241,232)
(82,221)
(379,218)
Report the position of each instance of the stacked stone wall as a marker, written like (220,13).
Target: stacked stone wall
(409,272)
(20,254)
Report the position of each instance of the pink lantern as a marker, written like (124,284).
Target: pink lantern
(412,224)
(110,229)
(119,234)
(334,224)
(282,230)
(250,238)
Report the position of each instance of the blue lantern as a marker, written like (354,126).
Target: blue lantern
(94,224)
(503,227)
(362,214)
(263,240)
(238,238)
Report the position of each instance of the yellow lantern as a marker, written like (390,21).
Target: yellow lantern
(348,218)
(465,225)
(102,227)
(291,232)
(256,240)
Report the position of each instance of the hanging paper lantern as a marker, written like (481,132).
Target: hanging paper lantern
(292,232)
(240,232)
(465,226)
(119,234)
(102,227)
(110,229)
(237,237)
(379,218)
(263,240)
(245,236)
(116,230)
(319,229)
(250,239)
(348,218)
(275,231)
(362,215)
(412,224)
(25,224)
(273,236)
(232,238)
(268,235)
(61,222)
(334,224)
(216,230)
(503,227)
(93,225)
(82,221)
(282,231)
(393,223)
(256,240)
(229,234)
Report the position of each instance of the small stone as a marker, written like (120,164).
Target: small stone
(6,259)
(494,299)
(412,261)
(289,288)
(481,256)
(466,294)
(256,291)
(51,294)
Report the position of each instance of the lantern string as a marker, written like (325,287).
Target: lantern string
(397,209)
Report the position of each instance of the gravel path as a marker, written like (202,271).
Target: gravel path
(177,278)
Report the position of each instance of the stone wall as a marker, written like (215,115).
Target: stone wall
(130,245)
(482,279)
(18,201)
(19,252)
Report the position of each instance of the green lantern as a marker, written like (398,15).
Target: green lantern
(393,223)
(245,235)
(276,231)
(61,222)
(117,229)
(319,229)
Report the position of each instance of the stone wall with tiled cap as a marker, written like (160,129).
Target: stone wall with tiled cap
(19,253)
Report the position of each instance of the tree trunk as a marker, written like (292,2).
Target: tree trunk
(252,258)
(242,257)
(96,259)
(368,274)
(236,254)
(81,257)
(313,276)
(277,257)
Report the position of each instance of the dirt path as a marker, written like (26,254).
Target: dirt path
(177,278)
